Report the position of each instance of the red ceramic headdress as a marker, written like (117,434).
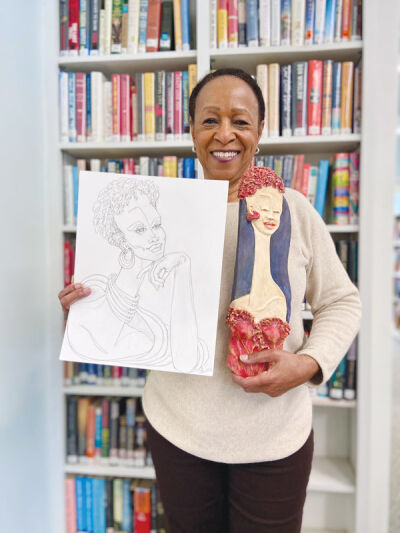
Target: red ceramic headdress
(257,177)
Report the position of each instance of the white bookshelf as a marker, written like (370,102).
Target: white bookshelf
(351,438)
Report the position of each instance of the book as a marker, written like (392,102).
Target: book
(139,84)
(142,507)
(116,27)
(80,504)
(305,179)
(88,108)
(63,27)
(75,188)
(63,105)
(233,24)
(153,26)
(105,430)
(73,27)
(265,22)
(108,7)
(102,26)
(185,24)
(322,186)
(98,426)
(70,505)
(354,186)
(188,168)
(80,106)
(91,430)
(309,22)
(286,22)
(356,20)
(338,20)
(286,100)
(84,23)
(357,99)
(298,170)
(185,105)
(262,80)
(299,97)
(336,383)
(88,487)
(124,27)
(298,22)
(71,107)
(116,107)
(71,432)
(126,505)
(149,106)
(350,379)
(83,412)
(346,111)
(275,22)
(170,114)
(222,24)
(312,184)
(114,433)
(340,189)
(319,22)
(167,25)
(143,10)
(242,22)
(117,504)
(192,71)
(336,96)
(97,100)
(329,29)
(278,164)
(346,20)
(178,105)
(273,99)
(326,118)
(133,26)
(314,97)
(159,105)
(125,107)
(177,25)
(252,22)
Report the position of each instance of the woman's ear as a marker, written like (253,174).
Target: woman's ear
(260,129)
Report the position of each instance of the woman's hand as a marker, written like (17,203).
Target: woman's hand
(70,294)
(286,370)
(164,266)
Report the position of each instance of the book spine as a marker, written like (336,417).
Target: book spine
(177,25)
(139,106)
(126,505)
(83,408)
(340,189)
(117,504)
(286,22)
(273,99)
(80,103)
(116,27)
(97,100)
(357,100)
(167,25)
(327,98)
(133,26)
(319,23)
(68,263)
(349,392)
(80,504)
(336,383)
(122,425)
(346,112)
(153,26)
(275,22)
(298,22)
(88,487)
(124,27)
(160,105)
(286,100)
(114,444)
(329,30)
(84,28)
(242,22)
(188,168)
(134,112)
(126,125)
(109,505)
(265,22)
(102,505)
(314,100)
(178,105)
(144,165)
(88,108)
(300,82)
(70,505)
(71,107)
(105,430)
(213,24)
(144,5)
(223,23)
(354,186)
(68,196)
(72,430)
(346,20)
(233,24)
(192,70)
(298,172)
(75,181)
(98,430)
(73,27)
(90,431)
(278,164)
(262,80)
(149,109)
(185,105)
(108,5)
(142,509)
(116,106)
(312,184)
(309,23)
(322,185)
(356,20)
(63,27)
(338,20)
(336,97)
(305,179)
(102,27)
(185,25)
(170,93)
(252,22)
(63,106)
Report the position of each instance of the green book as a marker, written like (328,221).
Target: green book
(167,25)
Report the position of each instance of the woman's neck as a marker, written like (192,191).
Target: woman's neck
(262,278)
(129,280)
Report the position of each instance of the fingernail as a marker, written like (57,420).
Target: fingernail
(78,285)
(244,357)
(86,290)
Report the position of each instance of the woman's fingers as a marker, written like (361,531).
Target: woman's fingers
(71,294)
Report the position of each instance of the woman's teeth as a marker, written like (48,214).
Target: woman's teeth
(225,155)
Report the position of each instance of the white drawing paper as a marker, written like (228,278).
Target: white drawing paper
(150,249)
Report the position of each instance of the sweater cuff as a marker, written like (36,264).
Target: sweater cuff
(319,377)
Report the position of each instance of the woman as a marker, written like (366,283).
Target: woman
(234,453)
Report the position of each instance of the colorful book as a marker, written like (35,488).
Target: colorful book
(80,504)
(83,412)
(149,106)
(63,27)
(153,26)
(326,121)
(286,22)
(124,27)
(139,83)
(116,27)
(357,99)
(354,186)
(73,27)
(192,71)
(159,103)
(88,107)
(117,504)
(116,106)
(178,105)
(80,106)
(322,186)
(170,110)
(336,383)
(329,29)
(185,105)
(309,22)
(314,97)
(336,96)
(105,430)
(125,108)
(305,179)
(350,380)
(298,170)
(346,20)
(71,107)
(84,26)
(340,189)
(70,505)
(233,24)
(346,112)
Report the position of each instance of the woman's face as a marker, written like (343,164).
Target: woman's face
(226,129)
(265,208)
(140,222)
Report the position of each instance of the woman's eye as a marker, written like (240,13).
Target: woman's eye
(140,230)
(241,122)
(209,121)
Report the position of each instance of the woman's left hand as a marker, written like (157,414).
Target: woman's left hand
(286,370)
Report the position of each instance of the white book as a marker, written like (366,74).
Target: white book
(108,122)
(265,22)
(275,22)
(312,184)
(102,27)
(213,24)
(133,26)
(97,80)
(273,99)
(262,80)
(63,106)
(319,24)
(298,21)
(95,165)
(68,195)
(338,21)
(144,165)
(107,27)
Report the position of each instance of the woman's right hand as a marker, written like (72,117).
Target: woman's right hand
(70,294)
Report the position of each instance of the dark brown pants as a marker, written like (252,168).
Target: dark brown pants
(201,496)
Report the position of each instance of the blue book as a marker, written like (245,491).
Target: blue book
(102,505)
(185,25)
(88,107)
(330,14)
(71,107)
(185,103)
(89,504)
(252,22)
(269,162)
(84,23)
(322,185)
(188,168)
(143,9)
(98,431)
(126,505)
(96,505)
(80,504)
(286,12)
(75,183)
(100,373)
(92,374)
(336,96)
(309,21)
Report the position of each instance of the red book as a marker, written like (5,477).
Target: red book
(178,104)
(116,374)
(142,509)
(73,27)
(233,24)
(126,113)
(153,26)
(116,106)
(305,180)
(69,260)
(314,102)
(134,112)
(346,20)
(298,172)
(80,106)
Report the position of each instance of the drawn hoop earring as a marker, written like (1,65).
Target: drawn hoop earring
(127,257)
(257,150)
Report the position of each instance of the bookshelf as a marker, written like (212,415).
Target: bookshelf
(352,438)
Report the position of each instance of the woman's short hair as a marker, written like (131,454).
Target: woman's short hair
(113,199)
(237,73)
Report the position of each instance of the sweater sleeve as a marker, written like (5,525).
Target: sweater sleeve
(334,299)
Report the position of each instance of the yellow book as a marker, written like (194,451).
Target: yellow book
(192,69)
(222,28)
(149,110)
(178,25)
(170,166)
(346,113)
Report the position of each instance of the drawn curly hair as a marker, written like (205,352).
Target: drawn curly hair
(112,200)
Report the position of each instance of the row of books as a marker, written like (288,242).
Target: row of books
(347,250)
(96,27)
(241,23)
(154,106)
(311,98)
(103,375)
(106,431)
(100,505)
(167,166)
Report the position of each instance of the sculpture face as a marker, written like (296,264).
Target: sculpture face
(141,224)
(264,209)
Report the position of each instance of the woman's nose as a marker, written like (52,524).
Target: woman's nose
(225,133)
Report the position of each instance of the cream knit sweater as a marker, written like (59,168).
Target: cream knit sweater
(212,417)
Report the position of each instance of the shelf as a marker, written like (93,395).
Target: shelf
(331,474)
(144,472)
(319,401)
(310,143)
(97,390)
(129,64)
(251,57)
